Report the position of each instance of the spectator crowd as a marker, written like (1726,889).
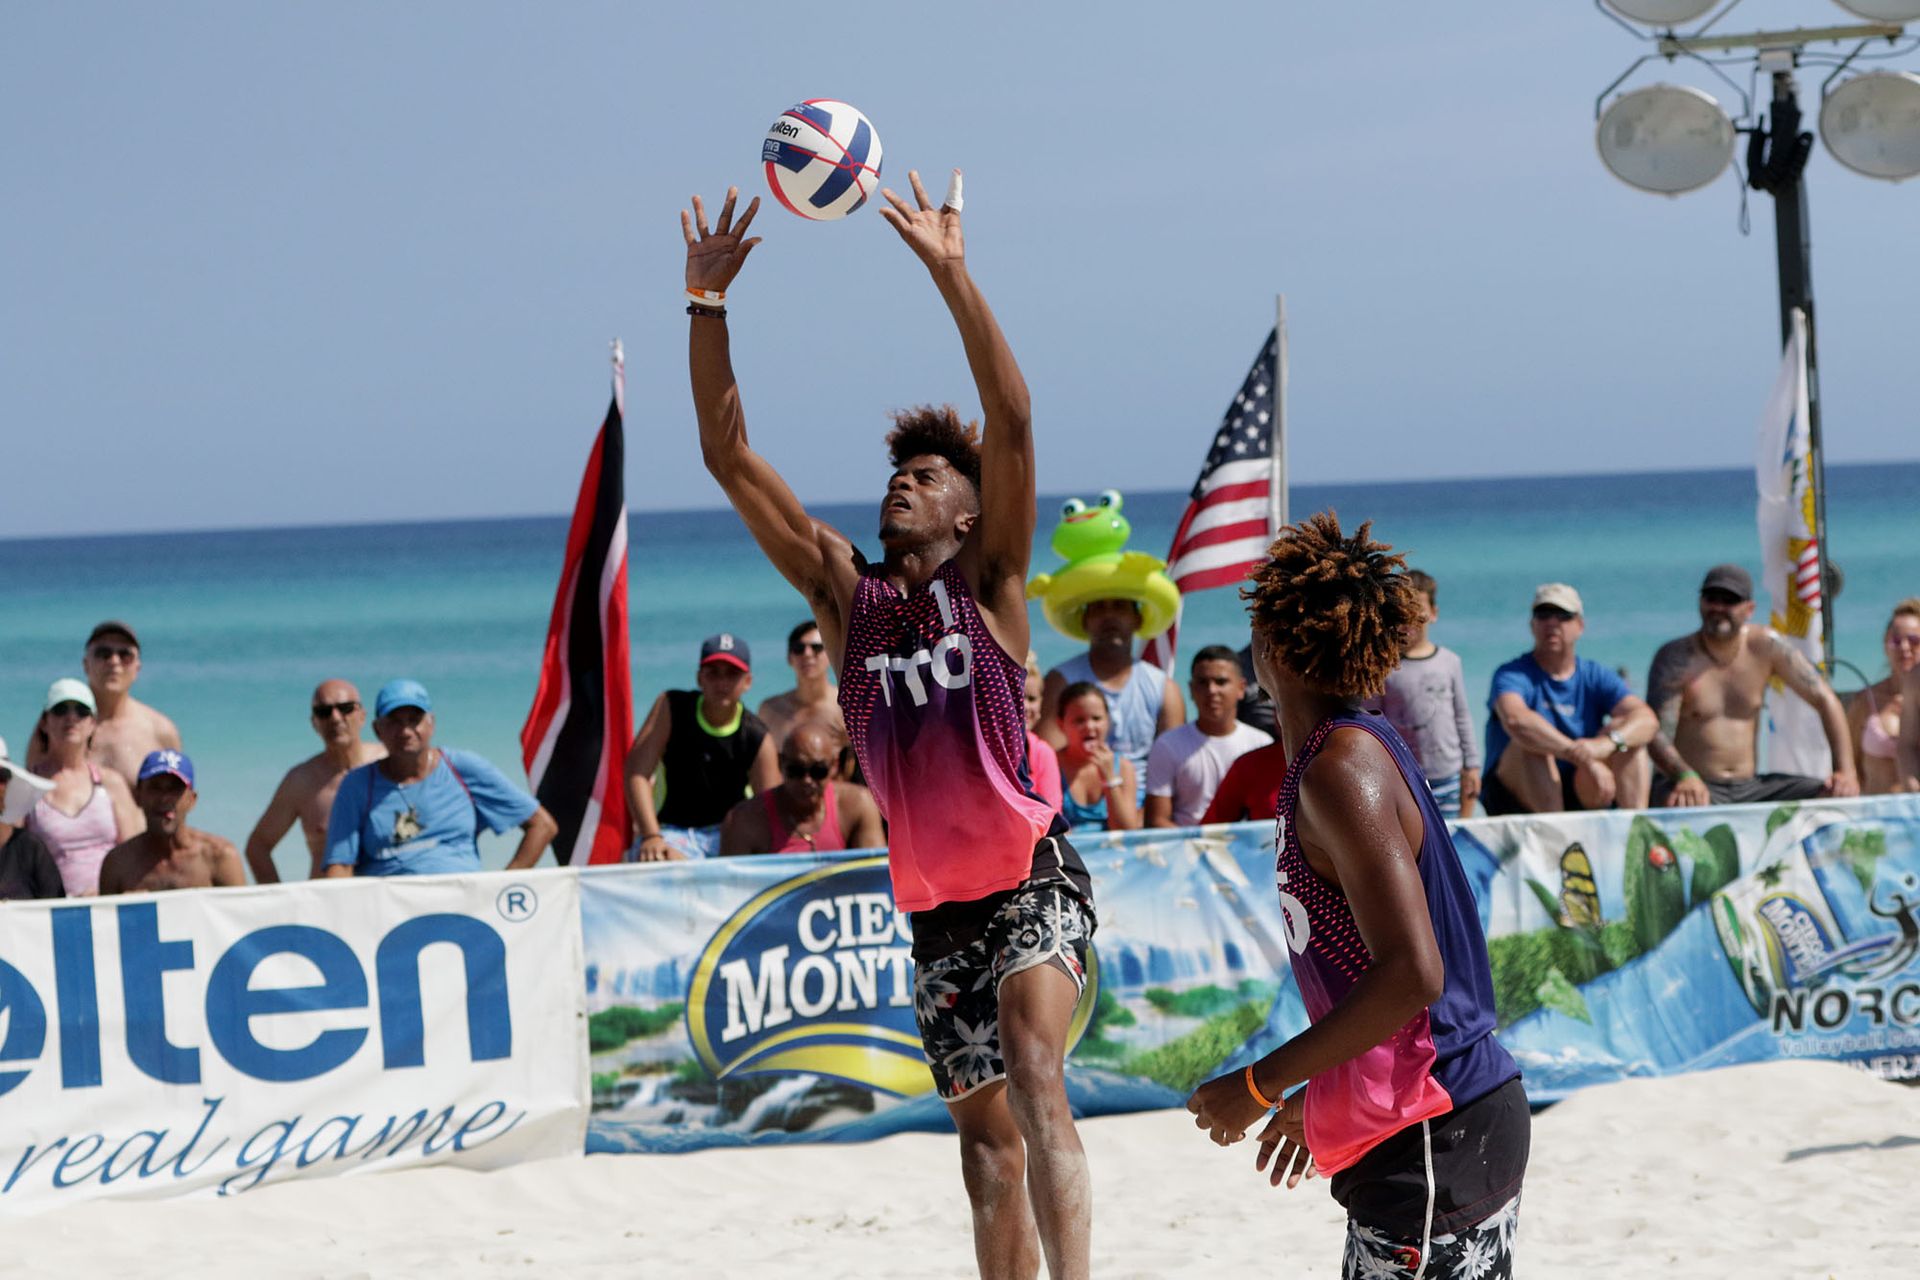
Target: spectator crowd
(101,799)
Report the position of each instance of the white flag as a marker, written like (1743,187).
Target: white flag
(1796,742)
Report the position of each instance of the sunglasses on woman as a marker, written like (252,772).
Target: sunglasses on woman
(79,709)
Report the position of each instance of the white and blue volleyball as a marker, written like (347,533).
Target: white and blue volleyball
(822,159)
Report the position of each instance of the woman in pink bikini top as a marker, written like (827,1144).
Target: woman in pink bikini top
(1874,712)
(88,811)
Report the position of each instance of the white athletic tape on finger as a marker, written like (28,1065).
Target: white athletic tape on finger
(953,200)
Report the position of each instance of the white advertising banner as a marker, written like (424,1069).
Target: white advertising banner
(159,1044)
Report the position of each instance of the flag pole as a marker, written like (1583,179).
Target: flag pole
(1277,499)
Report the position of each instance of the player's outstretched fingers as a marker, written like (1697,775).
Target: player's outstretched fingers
(726,212)
(954,201)
(746,219)
(900,206)
(919,192)
(700,217)
(686,228)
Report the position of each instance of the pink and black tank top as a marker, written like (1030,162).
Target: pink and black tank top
(1445,1056)
(79,842)
(936,711)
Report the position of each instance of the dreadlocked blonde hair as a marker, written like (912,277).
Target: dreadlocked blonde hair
(1332,606)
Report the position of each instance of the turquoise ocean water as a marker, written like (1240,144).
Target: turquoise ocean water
(238,627)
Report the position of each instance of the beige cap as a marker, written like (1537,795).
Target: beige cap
(22,789)
(1560,596)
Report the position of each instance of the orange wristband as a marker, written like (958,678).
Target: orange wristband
(1254,1089)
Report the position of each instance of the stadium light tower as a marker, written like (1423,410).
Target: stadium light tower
(1669,139)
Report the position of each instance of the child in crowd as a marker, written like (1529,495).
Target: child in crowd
(1426,703)
(1043,766)
(1097,786)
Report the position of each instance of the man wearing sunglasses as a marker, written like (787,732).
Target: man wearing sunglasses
(1566,733)
(813,696)
(126,730)
(808,811)
(305,795)
(1709,689)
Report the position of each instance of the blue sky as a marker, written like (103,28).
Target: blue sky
(272,264)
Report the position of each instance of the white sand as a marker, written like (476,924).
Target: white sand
(1786,1169)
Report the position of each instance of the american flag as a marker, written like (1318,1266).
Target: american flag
(1234,515)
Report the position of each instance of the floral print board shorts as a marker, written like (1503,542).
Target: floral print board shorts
(956,996)
(1483,1251)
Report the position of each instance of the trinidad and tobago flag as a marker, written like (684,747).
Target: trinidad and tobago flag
(575,740)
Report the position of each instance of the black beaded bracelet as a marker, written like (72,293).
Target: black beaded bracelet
(695,309)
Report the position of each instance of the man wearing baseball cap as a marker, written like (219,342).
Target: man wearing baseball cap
(421,810)
(126,729)
(709,748)
(1565,731)
(27,870)
(1708,690)
(169,854)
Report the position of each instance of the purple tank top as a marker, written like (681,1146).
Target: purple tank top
(936,711)
(79,842)
(1445,1056)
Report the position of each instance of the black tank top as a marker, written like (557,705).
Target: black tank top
(706,775)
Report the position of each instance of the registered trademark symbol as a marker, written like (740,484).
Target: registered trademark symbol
(516,902)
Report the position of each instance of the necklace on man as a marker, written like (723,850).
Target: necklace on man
(407,826)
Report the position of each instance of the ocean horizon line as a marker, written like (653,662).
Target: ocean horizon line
(452,522)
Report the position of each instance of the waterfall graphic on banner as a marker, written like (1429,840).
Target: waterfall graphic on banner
(814,974)
(1790,556)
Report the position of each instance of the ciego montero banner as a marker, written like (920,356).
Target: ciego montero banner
(770,999)
(158,1044)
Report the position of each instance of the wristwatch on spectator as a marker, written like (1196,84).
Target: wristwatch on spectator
(1619,742)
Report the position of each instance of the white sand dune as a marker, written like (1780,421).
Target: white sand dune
(1784,1169)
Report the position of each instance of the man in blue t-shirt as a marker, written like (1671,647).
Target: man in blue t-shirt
(1566,732)
(420,811)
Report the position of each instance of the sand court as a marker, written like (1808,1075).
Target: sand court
(1788,1169)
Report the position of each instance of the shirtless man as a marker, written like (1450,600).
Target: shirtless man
(127,730)
(1708,689)
(306,793)
(928,642)
(169,854)
(813,696)
(809,810)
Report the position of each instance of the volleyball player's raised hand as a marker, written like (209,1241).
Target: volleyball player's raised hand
(933,234)
(715,255)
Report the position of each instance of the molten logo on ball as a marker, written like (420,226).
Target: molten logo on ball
(822,159)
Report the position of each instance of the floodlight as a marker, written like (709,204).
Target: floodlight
(1667,13)
(1665,139)
(1882,10)
(1871,124)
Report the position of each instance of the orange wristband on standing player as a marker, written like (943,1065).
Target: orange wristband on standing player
(1254,1089)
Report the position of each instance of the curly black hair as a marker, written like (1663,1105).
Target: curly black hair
(925,429)
(1332,606)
